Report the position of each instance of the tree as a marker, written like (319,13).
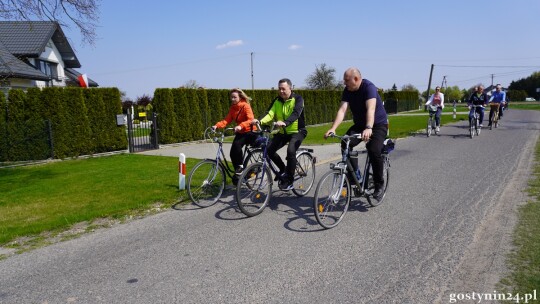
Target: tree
(82,13)
(323,79)
(529,84)
(409,87)
(191,84)
(394,87)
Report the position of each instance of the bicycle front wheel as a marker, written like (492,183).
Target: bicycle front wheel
(332,199)
(471,128)
(370,186)
(205,183)
(304,175)
(477,127)
(428,129)
(254,189)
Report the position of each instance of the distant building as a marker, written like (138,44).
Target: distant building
(36,54)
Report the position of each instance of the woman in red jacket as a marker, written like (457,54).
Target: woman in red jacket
(241,113)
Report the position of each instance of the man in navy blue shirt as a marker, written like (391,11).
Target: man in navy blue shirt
(369,118)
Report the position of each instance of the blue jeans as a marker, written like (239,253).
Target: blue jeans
(480,112)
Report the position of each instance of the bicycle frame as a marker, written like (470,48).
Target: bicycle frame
(266,160)
(221,158)
(345,164)
(474,122)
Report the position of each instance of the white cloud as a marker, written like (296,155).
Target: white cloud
(231,43)
(294,47)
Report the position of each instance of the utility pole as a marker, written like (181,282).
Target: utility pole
(252,85)
(429,85)
(443,83)
(492,80)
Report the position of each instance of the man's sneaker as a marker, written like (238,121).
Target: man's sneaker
(378,194)
(437,130)
(286,185)
(481,126)
(239,170)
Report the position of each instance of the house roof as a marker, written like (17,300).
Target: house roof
(29,39)
(13,67)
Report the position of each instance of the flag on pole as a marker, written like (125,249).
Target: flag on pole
(83,81)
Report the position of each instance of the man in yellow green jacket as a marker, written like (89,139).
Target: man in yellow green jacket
(287,112)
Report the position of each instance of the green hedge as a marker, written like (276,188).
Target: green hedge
(184,114)
(59,122)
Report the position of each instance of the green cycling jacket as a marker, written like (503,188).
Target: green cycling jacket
(290,111)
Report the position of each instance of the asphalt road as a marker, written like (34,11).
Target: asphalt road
(443,190)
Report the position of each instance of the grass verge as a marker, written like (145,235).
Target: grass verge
(524,261)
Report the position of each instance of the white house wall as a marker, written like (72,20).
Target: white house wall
(52,54)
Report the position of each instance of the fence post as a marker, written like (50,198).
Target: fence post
(130,130)
(51,138)
(182,171)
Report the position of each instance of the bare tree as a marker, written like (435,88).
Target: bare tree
(191,84)
(323,78)
(82,13)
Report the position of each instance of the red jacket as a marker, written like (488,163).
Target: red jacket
(240,113)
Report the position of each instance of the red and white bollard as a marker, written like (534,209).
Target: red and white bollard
(182,171)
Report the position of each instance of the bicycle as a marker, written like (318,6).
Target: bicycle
(474,125)
(333,193)
(431,125)
(254,189)
(212,171)
(494,114)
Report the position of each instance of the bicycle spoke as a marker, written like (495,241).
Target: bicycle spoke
(254,189)
(205,184)
(332,198)
(304,174)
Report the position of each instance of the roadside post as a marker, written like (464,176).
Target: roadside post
(182,172)
(454,116)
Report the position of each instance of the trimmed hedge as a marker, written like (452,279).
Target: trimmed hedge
(184,114)
(59,122)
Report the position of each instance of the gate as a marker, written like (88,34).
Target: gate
(142,135)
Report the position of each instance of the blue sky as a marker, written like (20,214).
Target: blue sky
(144,45)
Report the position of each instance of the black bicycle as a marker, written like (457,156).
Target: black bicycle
(254,189)
(431,125)
(474,122)
(334,190)
(206,181)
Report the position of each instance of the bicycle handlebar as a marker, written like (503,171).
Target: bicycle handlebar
(260,129)
(345,137)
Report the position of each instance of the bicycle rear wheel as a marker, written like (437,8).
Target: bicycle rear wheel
(304,175)
(253,156)
(370,185)
(205,183)
(331,200)
(254,189)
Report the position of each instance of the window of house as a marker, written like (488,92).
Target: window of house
(48,68)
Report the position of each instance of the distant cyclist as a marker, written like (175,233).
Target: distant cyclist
(478,98)
(437,99)
(498,96)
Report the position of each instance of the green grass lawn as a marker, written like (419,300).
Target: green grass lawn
(524,261)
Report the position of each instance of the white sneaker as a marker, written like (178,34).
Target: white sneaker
(437,130)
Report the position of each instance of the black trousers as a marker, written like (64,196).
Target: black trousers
(374,147)
(278,141)
(240,140)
